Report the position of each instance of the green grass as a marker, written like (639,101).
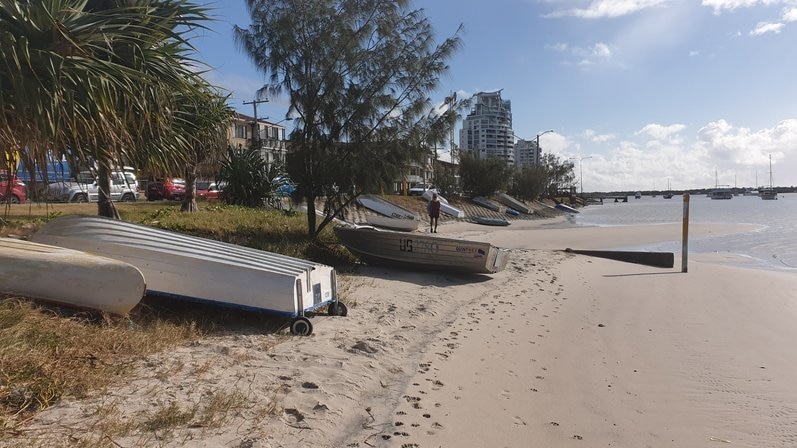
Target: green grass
(48,353)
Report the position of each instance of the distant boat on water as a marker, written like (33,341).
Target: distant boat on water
(768,193)
(720,191)
(668,194)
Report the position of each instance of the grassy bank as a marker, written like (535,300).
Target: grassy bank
(47,353)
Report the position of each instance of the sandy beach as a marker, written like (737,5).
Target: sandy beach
(558,350)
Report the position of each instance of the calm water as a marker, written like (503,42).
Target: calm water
(773,246)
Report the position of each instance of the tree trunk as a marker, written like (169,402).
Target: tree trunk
(311,218)
(105,206)
(189,202)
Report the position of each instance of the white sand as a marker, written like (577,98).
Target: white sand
(558,350)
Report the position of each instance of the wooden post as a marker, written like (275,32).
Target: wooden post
(685,236)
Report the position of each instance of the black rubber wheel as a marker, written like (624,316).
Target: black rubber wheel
(80,197)
(301,326)
(128,197)
(337,309)
(14,199)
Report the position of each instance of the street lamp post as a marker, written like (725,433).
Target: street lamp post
(581,173)
(537,156)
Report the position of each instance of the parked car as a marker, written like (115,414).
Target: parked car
(209,191)
(170,188)
(12,189)
(284,186)
(419,189)
(85,188)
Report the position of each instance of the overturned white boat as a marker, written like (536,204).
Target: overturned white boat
(69,277)
(445,207)
(420,251)
(487,203)
(384,207)
(187,267)
(404,225)
(514,203)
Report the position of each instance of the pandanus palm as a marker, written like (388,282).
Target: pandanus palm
(95,81)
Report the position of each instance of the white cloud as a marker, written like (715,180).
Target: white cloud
(790,14)
(694,53)
(766,27)
(587,56)
(601,50)
(730,5)
(659,132)
(657,153)
(607,9)
(593,136)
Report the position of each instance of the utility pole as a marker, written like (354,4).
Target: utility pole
(256,126)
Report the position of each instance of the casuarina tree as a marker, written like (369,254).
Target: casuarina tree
(358,75)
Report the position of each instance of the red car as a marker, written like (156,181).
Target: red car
(209,191)
(171,188)
(11,189)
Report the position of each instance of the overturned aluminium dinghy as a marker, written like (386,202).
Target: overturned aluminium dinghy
(384,207)
(423,252)
(404,225)
(514,203)
(69,277)
(192,268)
(445,207)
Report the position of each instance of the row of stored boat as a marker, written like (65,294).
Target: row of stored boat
(109,265)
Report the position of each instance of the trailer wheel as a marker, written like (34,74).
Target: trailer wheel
(301,326)
(337,309)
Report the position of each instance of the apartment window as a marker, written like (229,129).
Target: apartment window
(240,131)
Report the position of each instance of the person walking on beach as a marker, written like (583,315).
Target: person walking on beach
(433,208)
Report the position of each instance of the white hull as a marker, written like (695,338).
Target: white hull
(193,268)
(484,202)
(566,208)
(405,225)
(419,251)
(69,277)
(383,207)
(516,204)
(445,207)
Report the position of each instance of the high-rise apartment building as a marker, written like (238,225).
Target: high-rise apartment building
(526,153)
(487,130)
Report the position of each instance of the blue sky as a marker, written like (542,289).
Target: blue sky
(637,91)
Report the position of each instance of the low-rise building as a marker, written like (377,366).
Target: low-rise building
(271,137)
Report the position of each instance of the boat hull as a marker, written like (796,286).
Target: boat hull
(422,252)
(566,208)
(516,204)
(486,203)
(192,268)
(484,220)
(384,207)
(69,277)
(404,225)
(445,207)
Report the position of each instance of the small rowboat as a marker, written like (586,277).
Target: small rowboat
(404,225)
(566,208)
(190,268)
(384,207)
(512,212)
(445,207)
(69,277)
(516,204)
(484,220)
(423,252)
(484,202)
